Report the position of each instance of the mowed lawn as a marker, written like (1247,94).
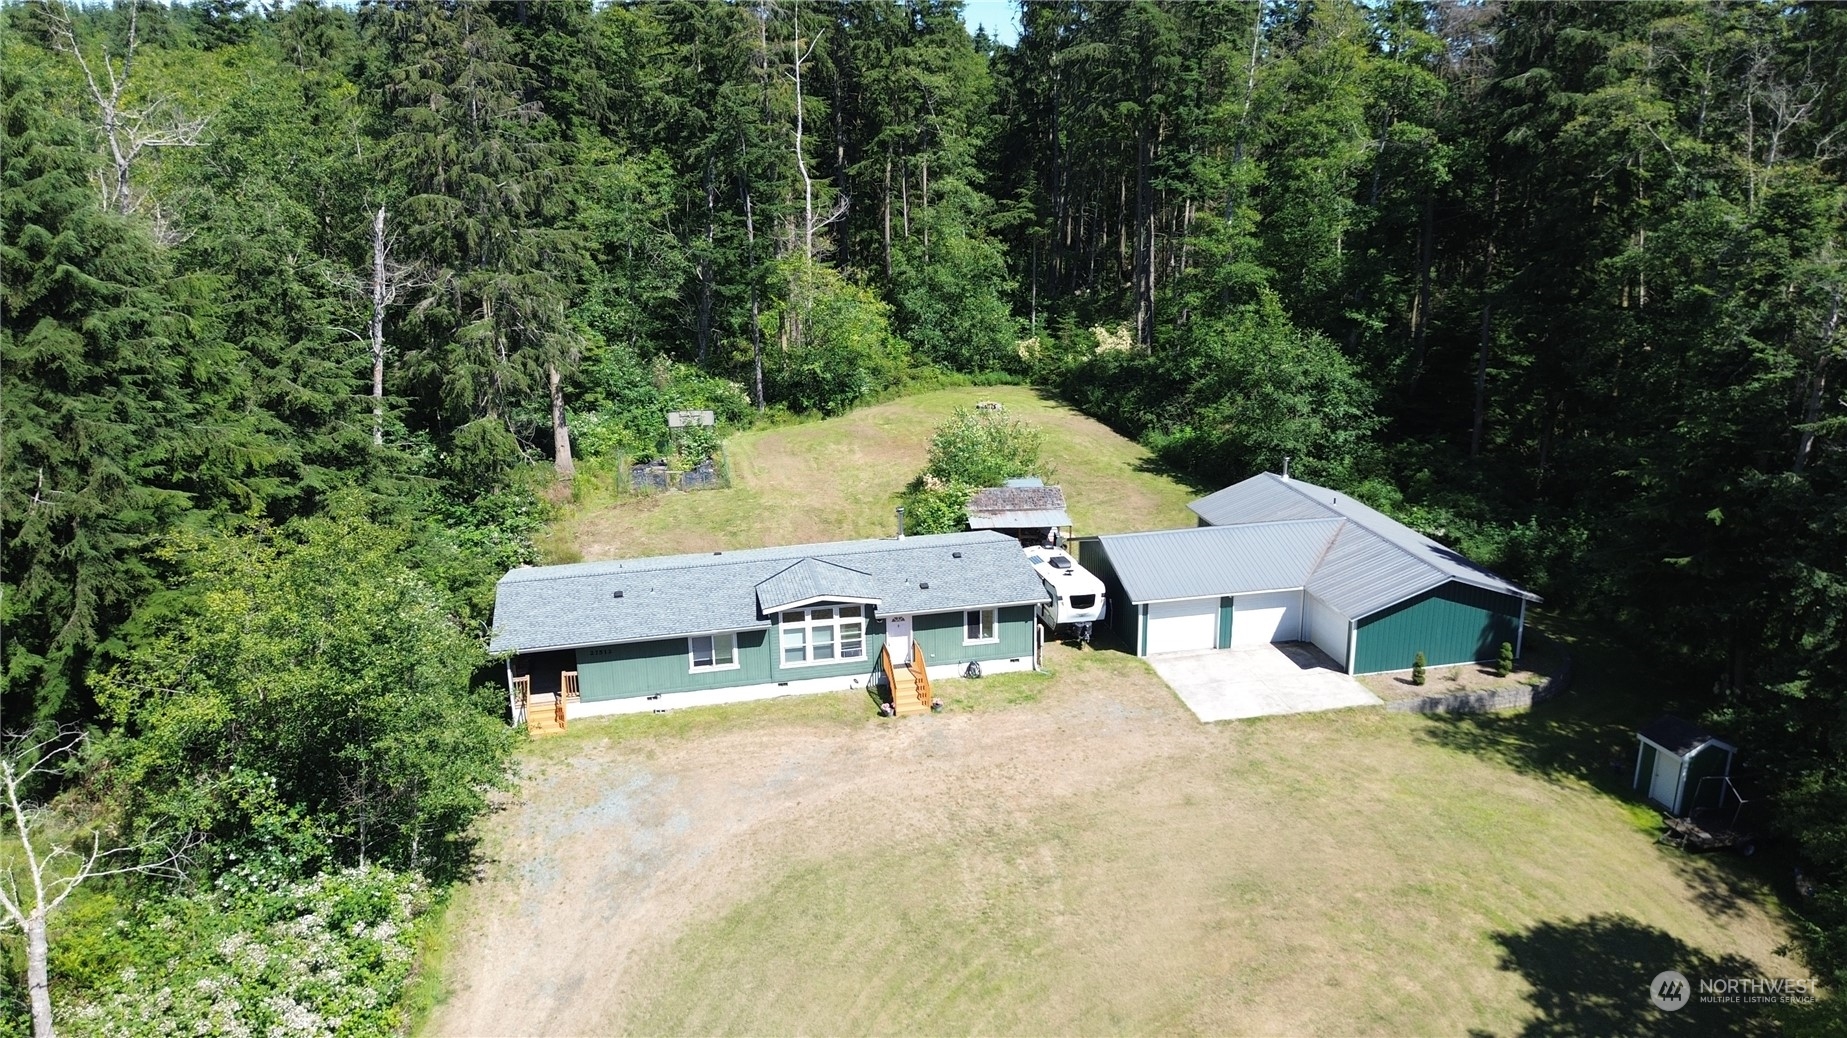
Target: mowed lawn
(840,478)
(1073,854)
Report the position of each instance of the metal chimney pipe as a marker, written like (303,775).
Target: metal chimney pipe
(1285,466)
(901,522)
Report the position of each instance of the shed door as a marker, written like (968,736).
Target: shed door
(1179,626)
(1274,616)
(1667,777)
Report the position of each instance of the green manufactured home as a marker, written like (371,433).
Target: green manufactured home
(638,635)
(1279,560)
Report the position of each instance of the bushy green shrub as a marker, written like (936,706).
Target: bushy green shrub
(1418,676)
(985,448)
(971,449)
(934,506)
(1504,664)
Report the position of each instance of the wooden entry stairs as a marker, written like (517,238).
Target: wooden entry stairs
(909,685)
(545,713)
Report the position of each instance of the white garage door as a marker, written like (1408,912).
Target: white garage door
(1178,626)
(1275,616)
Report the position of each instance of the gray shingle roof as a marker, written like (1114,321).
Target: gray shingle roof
(1376,563)
(1017,507)
(812,579)
(1217,560)
(543,607)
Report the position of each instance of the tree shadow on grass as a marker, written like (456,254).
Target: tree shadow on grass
(1550,741)
(1722,890)
(1591,977)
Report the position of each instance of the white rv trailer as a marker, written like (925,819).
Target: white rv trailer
(1076,594)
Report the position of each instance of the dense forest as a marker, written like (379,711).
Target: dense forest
(308,308)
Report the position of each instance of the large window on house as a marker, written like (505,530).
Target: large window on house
(978,626)
(824,634)
(713,651)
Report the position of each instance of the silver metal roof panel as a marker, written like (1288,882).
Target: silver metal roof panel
(1268,497)
(1217,560)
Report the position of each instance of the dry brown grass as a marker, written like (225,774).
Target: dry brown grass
(1069,854)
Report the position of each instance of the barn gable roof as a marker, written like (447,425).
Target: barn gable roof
(628,600)
(1374,562)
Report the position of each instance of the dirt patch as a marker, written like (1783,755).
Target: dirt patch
(1052,855)
(1540,663)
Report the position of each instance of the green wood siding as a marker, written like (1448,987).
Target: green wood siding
(1454,623)
(659,667)
(1225,623)
(940,637)
(648,668)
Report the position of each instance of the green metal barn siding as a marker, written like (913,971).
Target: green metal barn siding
(1454,623)
(940,635)
(648,668)
(1224,622)
(1125,618)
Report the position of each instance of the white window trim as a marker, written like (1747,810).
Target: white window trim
(808,626)
(966,640)
(692,665)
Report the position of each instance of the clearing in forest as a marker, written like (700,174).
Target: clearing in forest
(839,479)
(1072,853)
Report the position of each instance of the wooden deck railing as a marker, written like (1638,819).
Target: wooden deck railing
(891,679)
(522,696)
(568,681)
(922,674)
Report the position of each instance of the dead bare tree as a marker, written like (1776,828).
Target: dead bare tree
(383,285)
(53,870)
(128,130)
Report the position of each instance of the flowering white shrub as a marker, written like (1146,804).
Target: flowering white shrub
(323,956)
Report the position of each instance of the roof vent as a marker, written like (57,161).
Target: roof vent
(955,554)
(615,594)
(718,553)
(925,585)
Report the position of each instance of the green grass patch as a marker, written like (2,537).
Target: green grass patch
(826,710)
(428,987)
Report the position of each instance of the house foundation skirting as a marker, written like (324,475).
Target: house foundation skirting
(770,690)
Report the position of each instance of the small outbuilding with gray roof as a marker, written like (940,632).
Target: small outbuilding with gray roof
(635,635)
(1278,560)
